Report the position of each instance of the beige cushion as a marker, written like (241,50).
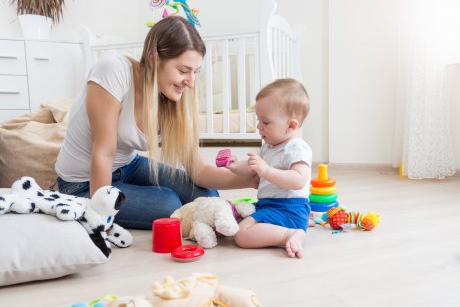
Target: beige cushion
(31,143)
(39,246)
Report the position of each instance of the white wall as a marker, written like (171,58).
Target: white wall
(362,70)
(363,37)
(348,55)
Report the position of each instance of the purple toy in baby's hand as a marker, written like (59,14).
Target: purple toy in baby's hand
(223,157)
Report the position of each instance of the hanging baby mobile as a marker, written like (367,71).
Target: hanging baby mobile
(173,7)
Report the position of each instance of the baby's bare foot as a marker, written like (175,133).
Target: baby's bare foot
(294,243)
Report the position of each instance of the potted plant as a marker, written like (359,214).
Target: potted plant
(36,16)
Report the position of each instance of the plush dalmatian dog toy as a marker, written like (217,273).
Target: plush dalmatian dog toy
(95,214)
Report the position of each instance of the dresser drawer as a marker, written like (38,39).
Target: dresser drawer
(14,93)
(55,71)
(12,58)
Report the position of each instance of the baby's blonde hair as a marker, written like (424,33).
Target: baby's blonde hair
(292,97)
(175,122)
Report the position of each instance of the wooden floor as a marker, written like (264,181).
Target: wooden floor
(411,259)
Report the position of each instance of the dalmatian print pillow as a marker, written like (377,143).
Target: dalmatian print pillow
(96,215)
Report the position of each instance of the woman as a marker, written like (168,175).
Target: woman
(128,106)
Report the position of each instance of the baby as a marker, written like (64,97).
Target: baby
(284,168)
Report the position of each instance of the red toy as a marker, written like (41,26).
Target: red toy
(223,158)
(187,253)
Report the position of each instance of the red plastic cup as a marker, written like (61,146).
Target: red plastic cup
(166,235)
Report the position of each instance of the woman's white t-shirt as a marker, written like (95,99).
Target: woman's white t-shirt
(115,75)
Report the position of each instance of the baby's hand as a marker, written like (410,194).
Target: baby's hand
(257,164)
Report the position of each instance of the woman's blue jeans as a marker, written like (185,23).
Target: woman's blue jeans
(145,201)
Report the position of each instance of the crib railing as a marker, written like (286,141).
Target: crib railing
(232,79)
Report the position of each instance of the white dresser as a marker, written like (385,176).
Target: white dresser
(33,72)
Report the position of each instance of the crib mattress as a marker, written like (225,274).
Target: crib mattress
(234,122)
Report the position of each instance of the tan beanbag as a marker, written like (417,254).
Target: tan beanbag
(29,144)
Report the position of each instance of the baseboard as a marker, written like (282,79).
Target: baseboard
(360,167)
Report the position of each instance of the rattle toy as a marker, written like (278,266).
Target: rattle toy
(223,157)
(338,218)
(323,194)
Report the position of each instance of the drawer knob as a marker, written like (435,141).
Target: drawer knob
(8,57)
(9,92)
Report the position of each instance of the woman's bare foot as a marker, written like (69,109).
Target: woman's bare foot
(294,243)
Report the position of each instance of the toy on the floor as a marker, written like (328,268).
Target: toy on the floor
(202,218)
(223,158)
(166,235)
(250,200)
(323,194)
(167,238)
(187,253)
(195,290)
(96,215)
(106,301)
(338,218)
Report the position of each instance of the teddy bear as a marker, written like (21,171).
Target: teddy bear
(95,215)
(194,290)
(203,217)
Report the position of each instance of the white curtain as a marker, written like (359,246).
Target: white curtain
(429,37)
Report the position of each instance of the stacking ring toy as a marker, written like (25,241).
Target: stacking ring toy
(322,207)
(323,198)
(323,191)
(315,182)
(187,253)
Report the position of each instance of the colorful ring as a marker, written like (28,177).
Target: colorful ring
(322,183)
(187,253)
(323,198)
(322,207)
(323,191)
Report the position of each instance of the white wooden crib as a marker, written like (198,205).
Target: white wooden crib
(236,66)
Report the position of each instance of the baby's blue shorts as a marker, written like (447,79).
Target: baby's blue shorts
(287,212)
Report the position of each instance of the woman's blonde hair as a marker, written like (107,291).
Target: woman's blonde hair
(292,97)
(175,122)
